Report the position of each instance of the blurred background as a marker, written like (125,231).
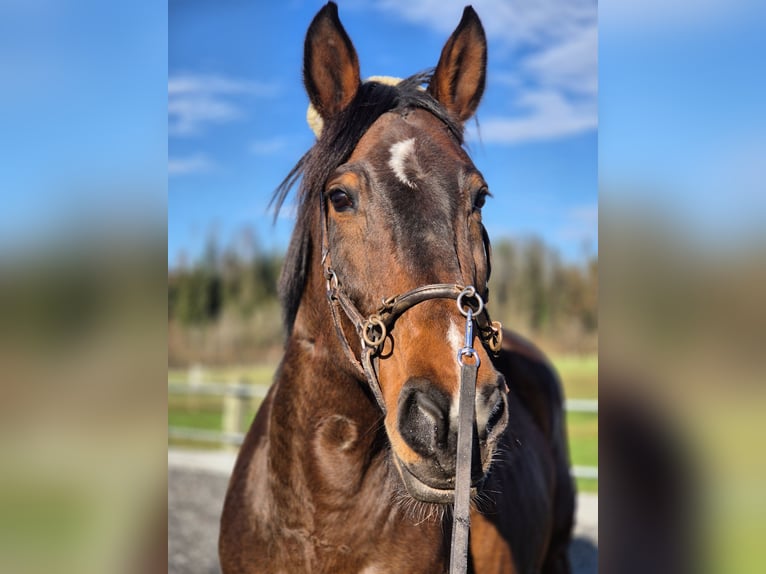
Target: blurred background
(682,141)
(237,125)
(236,113)
(128,130)
(83,181)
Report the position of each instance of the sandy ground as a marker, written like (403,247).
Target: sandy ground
(196,486)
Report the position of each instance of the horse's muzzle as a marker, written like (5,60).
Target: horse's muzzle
(427,422)
(420,490)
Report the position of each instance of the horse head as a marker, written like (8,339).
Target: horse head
(391,202)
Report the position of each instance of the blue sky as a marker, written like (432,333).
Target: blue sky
(682,111)
(87,139)
(236,110)
(83,116)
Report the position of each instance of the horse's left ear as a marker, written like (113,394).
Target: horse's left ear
(458,82)
(330,64)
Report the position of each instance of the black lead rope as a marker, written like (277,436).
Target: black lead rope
(461,515)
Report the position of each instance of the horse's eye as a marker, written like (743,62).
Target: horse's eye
(341,200)
(480,199)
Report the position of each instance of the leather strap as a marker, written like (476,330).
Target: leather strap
(461,519)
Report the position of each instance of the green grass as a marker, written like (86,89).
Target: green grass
(579,376)
(582,429)
(203,412)
(255,374)
(587,485)
(194,419)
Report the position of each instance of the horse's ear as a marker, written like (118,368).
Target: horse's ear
(330,64)
(458,82)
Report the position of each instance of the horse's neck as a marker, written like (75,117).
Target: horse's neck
(325,431)
(330,489)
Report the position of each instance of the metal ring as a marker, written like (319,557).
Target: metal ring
(374,324)
(468,352)
(495,340)
(387,303)
(471,293)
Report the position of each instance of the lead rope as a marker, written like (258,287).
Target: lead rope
(461,515)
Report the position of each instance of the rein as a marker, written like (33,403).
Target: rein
(461,513)
(373,330)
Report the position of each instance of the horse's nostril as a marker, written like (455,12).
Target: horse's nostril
(496,415)
(429,408)
(424,417)
(490,410)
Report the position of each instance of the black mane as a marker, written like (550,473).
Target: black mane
(340,136)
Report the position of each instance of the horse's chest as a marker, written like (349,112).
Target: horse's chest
(377,534)
(357,544)
(346,516)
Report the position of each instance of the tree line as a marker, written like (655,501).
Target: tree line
(216,304)
(236,281)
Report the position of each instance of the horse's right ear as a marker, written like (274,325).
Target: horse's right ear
(458,81)
(330,64)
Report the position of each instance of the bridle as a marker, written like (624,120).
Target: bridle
(373,330)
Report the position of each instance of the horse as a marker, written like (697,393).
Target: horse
(349,464)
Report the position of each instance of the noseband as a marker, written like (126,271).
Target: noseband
(374,329)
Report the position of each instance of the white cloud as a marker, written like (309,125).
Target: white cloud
(197,101)
(188,116)
(570,65)
(184,84)
(268,146)
(553,64)
(646,16)
(512,22)
(546,115)
(196,163)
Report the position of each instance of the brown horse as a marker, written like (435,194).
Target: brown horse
(350,465)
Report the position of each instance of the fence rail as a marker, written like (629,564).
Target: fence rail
(236,397)
(581,405)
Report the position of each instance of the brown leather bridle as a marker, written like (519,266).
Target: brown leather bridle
(373,329)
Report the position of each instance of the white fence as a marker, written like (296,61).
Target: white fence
(238,396)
